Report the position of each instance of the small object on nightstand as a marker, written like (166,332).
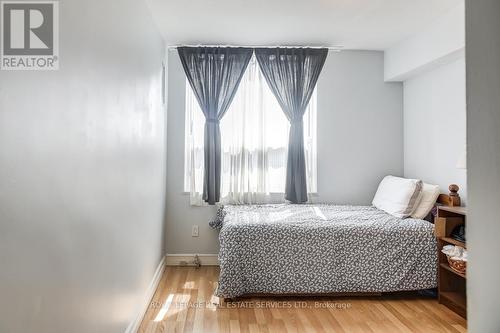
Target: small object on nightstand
(457,258)
(458,233)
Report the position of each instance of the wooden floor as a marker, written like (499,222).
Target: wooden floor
(184,302)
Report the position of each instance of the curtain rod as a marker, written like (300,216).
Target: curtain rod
(336,48)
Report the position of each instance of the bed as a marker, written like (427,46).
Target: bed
(322,249)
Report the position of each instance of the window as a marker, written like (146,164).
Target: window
(254,134)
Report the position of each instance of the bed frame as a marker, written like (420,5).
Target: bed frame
(451,199)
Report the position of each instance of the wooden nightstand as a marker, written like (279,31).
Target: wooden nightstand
(451,284)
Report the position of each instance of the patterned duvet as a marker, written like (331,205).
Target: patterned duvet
(319,248)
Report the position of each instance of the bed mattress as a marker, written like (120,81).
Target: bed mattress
(321,248)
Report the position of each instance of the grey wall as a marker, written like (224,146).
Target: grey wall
(483,135)
(434,126)
(360,140)
(82,175)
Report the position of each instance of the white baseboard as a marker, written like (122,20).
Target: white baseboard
(134,325)
(187,259)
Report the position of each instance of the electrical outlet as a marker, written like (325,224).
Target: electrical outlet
(195,232)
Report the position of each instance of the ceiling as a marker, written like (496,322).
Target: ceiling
(355,24)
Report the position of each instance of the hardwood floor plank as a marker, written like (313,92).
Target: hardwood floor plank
(333,323)
(184,302)
(254,328)
(460,328)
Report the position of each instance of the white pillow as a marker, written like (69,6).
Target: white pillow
(398,196)
(430,194)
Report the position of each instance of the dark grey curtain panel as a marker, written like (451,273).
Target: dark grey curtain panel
(214,73)
(292,73)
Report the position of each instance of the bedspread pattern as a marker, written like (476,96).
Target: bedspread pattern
(281,249)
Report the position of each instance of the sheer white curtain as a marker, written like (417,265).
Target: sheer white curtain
(254,145)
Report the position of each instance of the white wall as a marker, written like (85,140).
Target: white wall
(82,175)
(483,124)
(434,126)
(438,43)
(360,140)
